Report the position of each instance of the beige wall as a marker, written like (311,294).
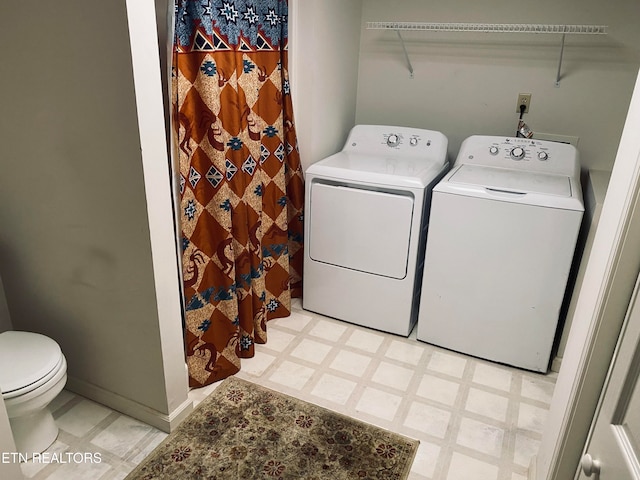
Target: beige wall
(594,193)
(77,243)
(325,39)
(5,319)
(468,84)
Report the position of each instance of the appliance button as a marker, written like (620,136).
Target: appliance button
(494,150)
(543,156)
(413,141)
(517,153)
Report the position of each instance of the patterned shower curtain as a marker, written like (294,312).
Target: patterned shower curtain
(241,184)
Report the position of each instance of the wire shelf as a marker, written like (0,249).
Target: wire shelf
(490,27)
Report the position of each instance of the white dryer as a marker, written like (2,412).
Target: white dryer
(365,226)
(503,229)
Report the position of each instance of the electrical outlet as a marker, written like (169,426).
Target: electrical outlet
(523,99)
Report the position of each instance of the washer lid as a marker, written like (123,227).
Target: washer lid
(25,358)
(502,179)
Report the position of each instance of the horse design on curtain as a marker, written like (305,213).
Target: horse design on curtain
(241,183)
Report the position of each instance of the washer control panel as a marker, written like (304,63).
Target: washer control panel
(520,149)
(519,153)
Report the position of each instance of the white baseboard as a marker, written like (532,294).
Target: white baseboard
(555,364)
(162,421)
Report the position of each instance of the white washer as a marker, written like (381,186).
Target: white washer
(365,226)
(503,229)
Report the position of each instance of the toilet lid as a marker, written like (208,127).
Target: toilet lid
(25,358)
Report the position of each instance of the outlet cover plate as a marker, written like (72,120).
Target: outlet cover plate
(523,99)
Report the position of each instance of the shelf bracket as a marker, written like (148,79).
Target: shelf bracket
(557,84)
(406,55)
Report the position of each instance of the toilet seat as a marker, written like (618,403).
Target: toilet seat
(27,361)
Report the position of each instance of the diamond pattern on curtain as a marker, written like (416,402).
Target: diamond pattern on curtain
(241,183)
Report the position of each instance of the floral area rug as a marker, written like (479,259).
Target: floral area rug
(246,431)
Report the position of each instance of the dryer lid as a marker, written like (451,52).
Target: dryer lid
(25,358)
(503,179)
(407,172)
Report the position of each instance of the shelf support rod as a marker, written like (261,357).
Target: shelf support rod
(557,84)
(406,55)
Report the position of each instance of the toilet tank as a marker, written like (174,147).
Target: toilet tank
(5,320)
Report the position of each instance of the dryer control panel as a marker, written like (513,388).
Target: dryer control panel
(395,140)
(392,141)
(519,154)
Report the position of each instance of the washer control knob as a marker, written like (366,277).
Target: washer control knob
(517,153)
(494,150)
(543,156)
(413,141)
(393,140)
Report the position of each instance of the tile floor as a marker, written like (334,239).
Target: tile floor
(474,419)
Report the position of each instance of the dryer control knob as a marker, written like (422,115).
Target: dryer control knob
(413,141)
(517,153)
(393,140)
(494,150)
(543,156)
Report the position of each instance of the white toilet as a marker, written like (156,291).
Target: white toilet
(33,371)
